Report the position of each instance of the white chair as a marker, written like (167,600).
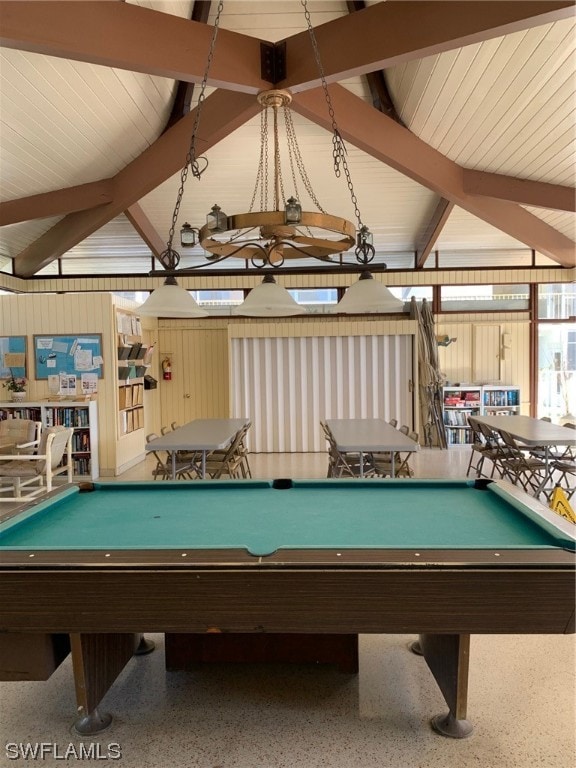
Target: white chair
(54,457)
(19,435)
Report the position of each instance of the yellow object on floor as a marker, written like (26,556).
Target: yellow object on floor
(560,504)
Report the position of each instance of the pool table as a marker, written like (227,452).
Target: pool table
(90,568)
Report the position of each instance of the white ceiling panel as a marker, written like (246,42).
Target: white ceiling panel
(505,105)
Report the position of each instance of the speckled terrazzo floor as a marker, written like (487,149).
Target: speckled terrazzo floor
(521,699)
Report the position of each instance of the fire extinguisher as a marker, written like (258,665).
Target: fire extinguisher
(167,369)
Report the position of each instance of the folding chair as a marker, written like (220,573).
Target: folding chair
(342,464)
(241,450)
(163,469)
(483,447)
(495,451)
(383,461)
(520,468)
(566,468)
(229,462)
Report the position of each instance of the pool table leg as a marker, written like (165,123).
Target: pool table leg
(97,660)
(448,658)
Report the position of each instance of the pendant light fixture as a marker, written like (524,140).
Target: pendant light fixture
(368,296)
(171,300)
(269,300)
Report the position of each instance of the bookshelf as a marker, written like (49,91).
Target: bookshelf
(458,403)
(81,416)
(131,407)
(500,400)
(133,362)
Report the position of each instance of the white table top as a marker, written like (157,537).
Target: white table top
(369,435)
(198,435)
(528,430)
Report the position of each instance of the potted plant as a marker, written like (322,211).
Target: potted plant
(16,385)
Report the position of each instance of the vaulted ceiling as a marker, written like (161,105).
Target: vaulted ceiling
(458,118)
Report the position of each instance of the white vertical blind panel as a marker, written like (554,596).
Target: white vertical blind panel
(286,386)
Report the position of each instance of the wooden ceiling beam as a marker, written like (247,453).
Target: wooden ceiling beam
(387,141)
(56,203)
(130,37)
(222,113)
(432,230)
(535,193)
(145,229)
(390,33)
(379,92)
(185,91)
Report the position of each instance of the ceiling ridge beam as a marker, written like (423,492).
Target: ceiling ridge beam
(383,138)
(222,113)
(386,34)
(525,191)
(130,37)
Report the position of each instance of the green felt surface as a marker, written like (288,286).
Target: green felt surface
(396,514)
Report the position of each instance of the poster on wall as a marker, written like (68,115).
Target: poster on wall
(68,355)
(12,357)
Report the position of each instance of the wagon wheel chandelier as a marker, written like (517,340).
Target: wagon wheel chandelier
(280,231)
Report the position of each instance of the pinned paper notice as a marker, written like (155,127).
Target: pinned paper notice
(89,383)
(14,359)
(83,359)
(67,384)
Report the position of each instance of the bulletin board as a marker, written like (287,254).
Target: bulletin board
(71,355)
(13,357)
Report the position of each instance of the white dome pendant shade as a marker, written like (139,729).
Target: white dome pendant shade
(366,296)
(269,300)
(171,300)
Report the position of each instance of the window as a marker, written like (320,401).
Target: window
(215,300)
(557,371)
(139,296)
(556,301)
(315,300)
(419,292)
(483,298)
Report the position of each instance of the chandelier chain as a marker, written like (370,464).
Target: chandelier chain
(295,150)
(264,193)
(192,162)
(261,163)
(338,145)
(278,181)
